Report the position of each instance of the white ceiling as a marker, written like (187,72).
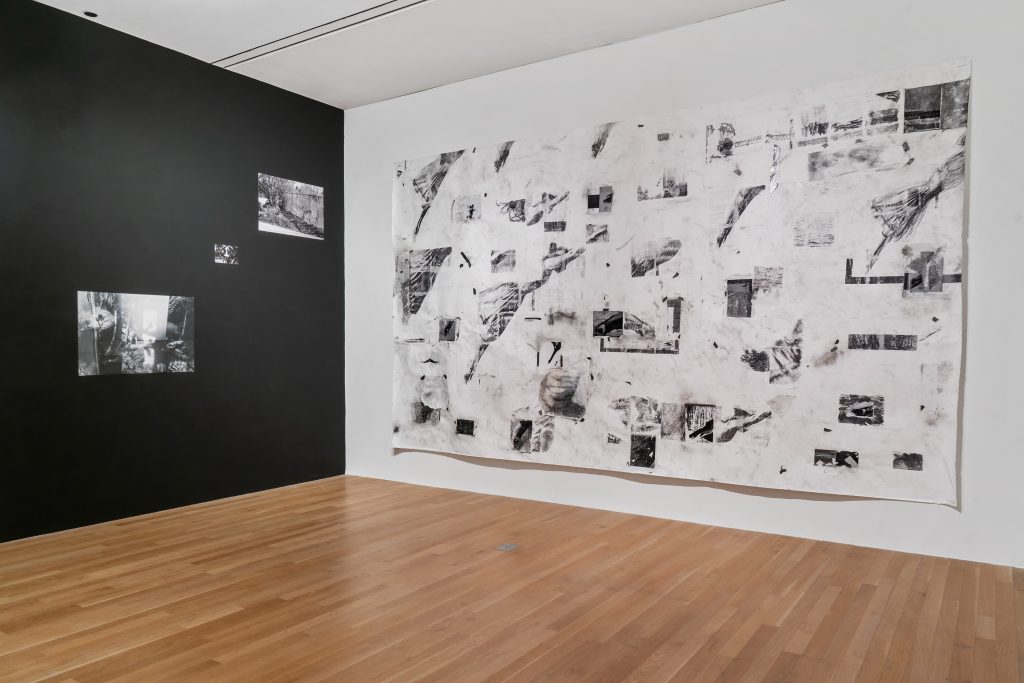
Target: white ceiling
(353,52)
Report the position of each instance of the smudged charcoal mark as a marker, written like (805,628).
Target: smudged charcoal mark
(424,414)
(394,430)
(861,410)
(514,210)
(503,261)
(502,157)
(725,143)
(465,427)
(786,356)
(700,422)
(428,181)
(554,226)
(546,204)
(612,438)
(743,199)
(773,170)
(740,421)
(830,357)
(715,344)
(739,296)
(417,274)
(466,208)
(556,347)
(858,158)
(782,470)
(672,421)
(814,230)
(466,259)
(826,457)
(663,137)
(602,138)
(827,429)
(924,272)
(522,435)
(448,329)
(499,304)
(935,319)
(757,360)
(597,233)
(902,211)
(430,360)
(556,316)
(543,434)
(886,115)
(908,461)
(767,278)
(650,255)
(852,124)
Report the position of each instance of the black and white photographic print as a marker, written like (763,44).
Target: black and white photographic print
(135,334)
(289,207)
(225,253)
(762,292)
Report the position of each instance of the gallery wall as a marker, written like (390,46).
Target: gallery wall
(121,165)
(789,45)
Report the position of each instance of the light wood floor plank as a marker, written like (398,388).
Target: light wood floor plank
(352,579)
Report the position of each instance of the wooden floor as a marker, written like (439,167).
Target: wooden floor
(355,579)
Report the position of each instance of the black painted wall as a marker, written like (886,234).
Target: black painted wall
(121,164)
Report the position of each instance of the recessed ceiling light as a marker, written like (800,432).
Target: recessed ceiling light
(91,15)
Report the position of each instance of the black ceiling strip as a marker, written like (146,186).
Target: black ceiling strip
(318,35)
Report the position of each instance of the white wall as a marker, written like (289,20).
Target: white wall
(792,44)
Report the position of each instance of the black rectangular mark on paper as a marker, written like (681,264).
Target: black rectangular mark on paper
(522,435)
(883,342)
(465,427)
(739,296)
(600,200)
(857,409)
(825,457)
(424,414)
(641,450)
(554,226)
(922,108)
(700,422)
(607,323)
(448,329)
(924,273)
(908,461)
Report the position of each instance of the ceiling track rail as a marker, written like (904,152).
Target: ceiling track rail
(369,14)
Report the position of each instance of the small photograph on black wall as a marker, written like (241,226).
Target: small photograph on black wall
(225,253)
(288,207)
(135,334)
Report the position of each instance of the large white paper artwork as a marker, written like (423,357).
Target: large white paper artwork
(766,292)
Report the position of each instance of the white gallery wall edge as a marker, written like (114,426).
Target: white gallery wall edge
(800,43)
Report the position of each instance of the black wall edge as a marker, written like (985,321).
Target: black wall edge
(121,164)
